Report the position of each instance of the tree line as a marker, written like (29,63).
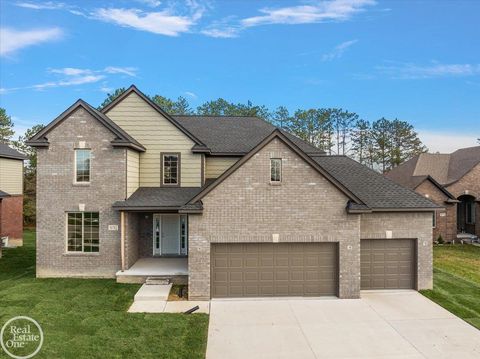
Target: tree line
(381,144)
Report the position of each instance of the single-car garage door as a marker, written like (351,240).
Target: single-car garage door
(274,269)
(388,264)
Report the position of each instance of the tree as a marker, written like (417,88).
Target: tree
(30,174)
(112,96)
(381,138)
(281,117)
(342,122)
(179,107)
(6,126)
(404,143)
(361,142)
(222,107)
(313,126)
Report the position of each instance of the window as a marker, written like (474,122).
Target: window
(434,220)
(183,234)
(275,170)
(82,166)
(83,232)
(470,212)
(170,168)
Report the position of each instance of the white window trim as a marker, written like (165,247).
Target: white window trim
(83,234)
(163,168)
(75,167)
(281,171)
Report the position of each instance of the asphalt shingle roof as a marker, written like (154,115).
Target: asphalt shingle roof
(158,197)
(231,134)
(4,194)
(8,152)
(444,168)
(373,189)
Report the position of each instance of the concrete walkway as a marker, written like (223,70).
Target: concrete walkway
(396,325)
(154,299)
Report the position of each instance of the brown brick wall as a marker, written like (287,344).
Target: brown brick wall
(246,208)
(57,194)
(469,184)
(447,218)
(409,226)
(11,218)
(131,238)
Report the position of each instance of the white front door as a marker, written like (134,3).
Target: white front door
(169,234)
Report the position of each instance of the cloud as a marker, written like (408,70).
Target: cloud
(12,40)
(338,50)
(191,94)
(72,76)
(130,71)
(48,5)
(320,11)
(409,71)
(151,3)
(316,12)
(446,142)
(161,22)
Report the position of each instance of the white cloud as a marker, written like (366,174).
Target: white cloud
(409,71)
(191,94)
(12,40)
(319,11)
(48,5)
(446,142)
(338,50)
(130,71)
(71,76)
(151,3)
(161,22)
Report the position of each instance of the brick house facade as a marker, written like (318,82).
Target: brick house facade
(450,180)
(127,213)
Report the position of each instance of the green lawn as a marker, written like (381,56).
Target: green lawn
(456,281)
(87,318)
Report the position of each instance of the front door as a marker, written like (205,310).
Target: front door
(169,234)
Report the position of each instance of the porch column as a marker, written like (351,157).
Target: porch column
(122,239)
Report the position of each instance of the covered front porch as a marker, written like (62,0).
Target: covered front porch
(175,269)
(154,233)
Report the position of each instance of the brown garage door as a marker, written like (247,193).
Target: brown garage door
(388,264)
(274,269)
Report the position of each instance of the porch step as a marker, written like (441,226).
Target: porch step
(157,281)
(153,293)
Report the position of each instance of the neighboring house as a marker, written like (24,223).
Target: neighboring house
(450,180)
(11,194)
(232,205)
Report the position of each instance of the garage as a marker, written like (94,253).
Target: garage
(274,269)
(388,263)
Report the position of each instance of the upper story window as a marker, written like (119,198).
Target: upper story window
(83,232)
(275,170)
(82,165)
(170,169)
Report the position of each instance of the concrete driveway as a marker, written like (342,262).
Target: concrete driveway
(401,324)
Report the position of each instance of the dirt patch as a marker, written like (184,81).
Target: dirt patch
(178,292)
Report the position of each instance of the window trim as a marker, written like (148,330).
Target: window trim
(179,169)
(82,252)
(84,183)
(434,220)
(281,170)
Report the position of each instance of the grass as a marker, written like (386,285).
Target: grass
(88,317)
(456,281)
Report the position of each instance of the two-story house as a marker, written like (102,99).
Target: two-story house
(230,205)
(11,195)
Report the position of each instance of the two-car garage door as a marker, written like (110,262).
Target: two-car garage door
(274,269)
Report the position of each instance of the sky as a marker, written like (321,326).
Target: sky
(417,61)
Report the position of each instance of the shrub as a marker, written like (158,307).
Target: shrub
(440,239)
